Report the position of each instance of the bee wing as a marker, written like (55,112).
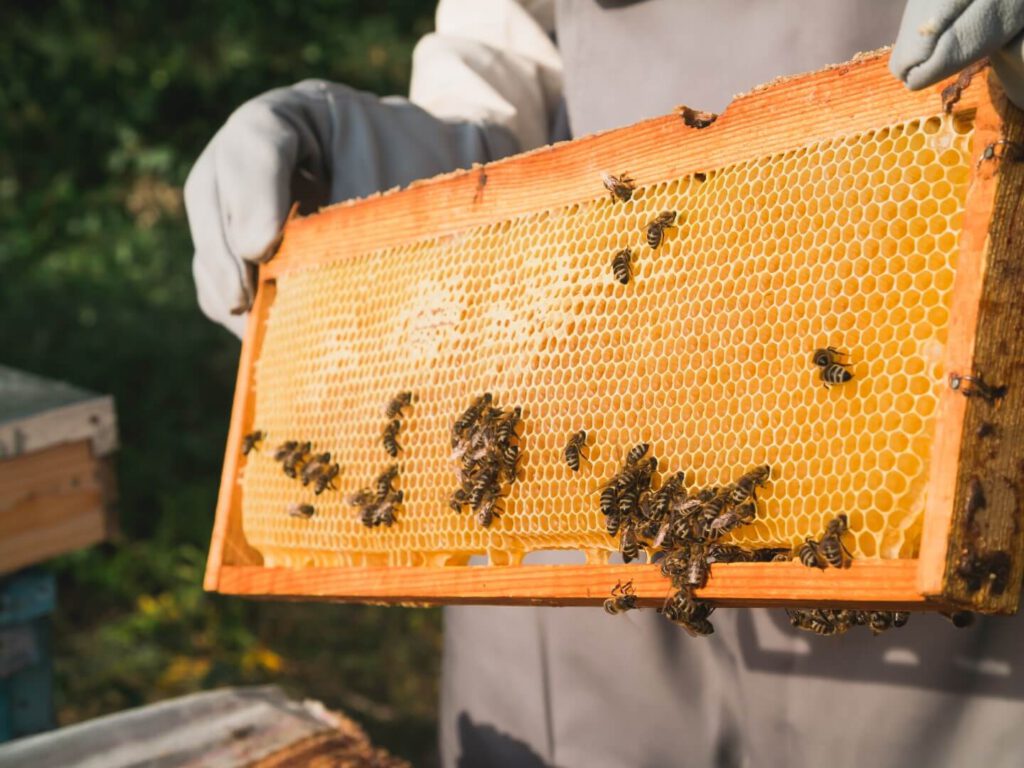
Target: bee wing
(661,536)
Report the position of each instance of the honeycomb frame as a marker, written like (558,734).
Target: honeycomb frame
(981,335)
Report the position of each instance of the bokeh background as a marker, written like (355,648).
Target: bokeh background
(103,109)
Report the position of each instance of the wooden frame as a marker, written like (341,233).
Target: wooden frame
(976,440)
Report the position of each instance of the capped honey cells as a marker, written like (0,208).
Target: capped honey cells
(707,356)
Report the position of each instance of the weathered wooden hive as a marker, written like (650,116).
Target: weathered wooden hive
(831,209)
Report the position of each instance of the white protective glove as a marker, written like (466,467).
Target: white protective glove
(938,38)
(322,139)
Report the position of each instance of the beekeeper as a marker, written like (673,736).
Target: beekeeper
(573,686)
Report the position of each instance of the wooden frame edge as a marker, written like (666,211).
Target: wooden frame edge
(226,520)
(876,583)
(976,561)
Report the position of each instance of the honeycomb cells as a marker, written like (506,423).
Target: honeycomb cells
(705,354)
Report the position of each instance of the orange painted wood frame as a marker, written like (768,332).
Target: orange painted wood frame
(856,96)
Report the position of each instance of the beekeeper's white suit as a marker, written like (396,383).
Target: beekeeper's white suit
(574,687)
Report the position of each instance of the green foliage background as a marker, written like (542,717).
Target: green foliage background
(103,109)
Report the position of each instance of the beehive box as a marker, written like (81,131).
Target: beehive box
(57,478)
(834,208)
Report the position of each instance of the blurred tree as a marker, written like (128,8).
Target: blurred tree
(103,109)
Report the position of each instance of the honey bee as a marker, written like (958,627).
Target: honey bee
(623,599)
(732,518)
(489,510)
(879,621)
(772,555)
(383,483)
(656,229)
(305,511)
(977,388)
(746,486)
(314,467)
(325,479)
(471,415)
(691,614)
(697,568)
(609,501)
(629,544)
(612,523)
(674,565)
(620,187)
(680,524)
(397,403)
(813,620)
(252,440)
(637,452)
(704,495)
(285,450)
(384,512)
(574,450)
(900,618)
(726,553)
(510,462)
(832,547)
(810,555)
(714,506)
(506,429)
(296,459)
(637,477)
(458,500)
(628,499)
(959,619)
(832,370)
(390,437)
(622,265)
(362,498)
(671,493)
(695,118)
(485,483)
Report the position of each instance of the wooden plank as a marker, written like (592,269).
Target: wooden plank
(51,502)
(978,561)
(866,583)
(788,113)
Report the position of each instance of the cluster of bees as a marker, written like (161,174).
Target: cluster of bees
(621,189)
(688,538)
(825,621)
(299,463)
(681,530)
(485,450)
(378,505)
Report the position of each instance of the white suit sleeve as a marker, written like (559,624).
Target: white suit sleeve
(492,62)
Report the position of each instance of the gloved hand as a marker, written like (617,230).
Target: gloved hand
(938,38)
(329,140)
